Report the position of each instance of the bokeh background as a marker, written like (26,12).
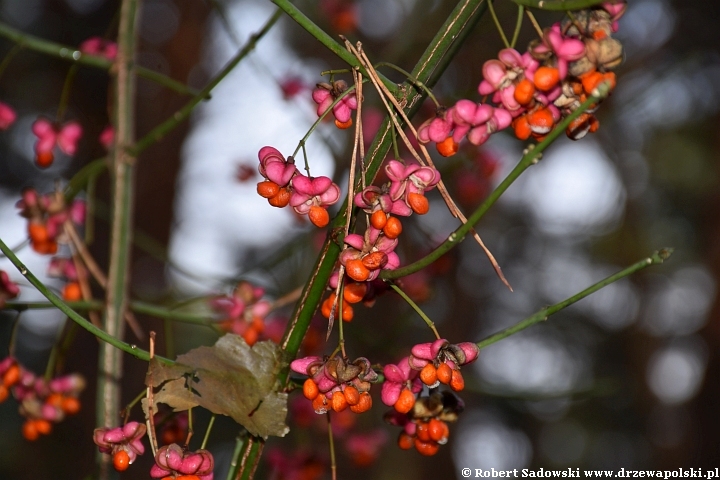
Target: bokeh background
(626,378)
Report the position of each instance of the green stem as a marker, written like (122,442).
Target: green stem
(110,368)
(164,128)
(543,314)
(246,458)
(207,432)
(83,176)
(417,309)
(331,441)
(530,158)
(71,54)
(301,143)
(518,26)
(58,303)
(559,5)
(497,24)
(293,12)
(415,82)
(65,95)
(137,307)
(8,57)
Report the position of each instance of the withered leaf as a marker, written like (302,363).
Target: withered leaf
(230,378)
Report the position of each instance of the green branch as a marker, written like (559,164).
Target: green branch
(137,307)
(293,12)
(531,157)
(559,5)
(57,302)
(543,314)
(161,130)
(71,54)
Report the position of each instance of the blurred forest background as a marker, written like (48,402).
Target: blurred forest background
(626,378)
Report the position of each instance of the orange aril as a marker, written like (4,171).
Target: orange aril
(339,402)
(444,373)
(356,270)
(268,189)
(393,228)
(351,395)
(364,403)
(428,374)
(426,448)
(546,78)
(354,292)
(44,159)
(343,125)
(72,292)
(448,147)
(374,260)
(438,430)
(319,216)
(310,389)
(524,91)
(405,441)
(378,219)
(11,375)
(522,128)
(281,199)
(121,460)
(457,382)
(418,203)
(70,405)
(405,402)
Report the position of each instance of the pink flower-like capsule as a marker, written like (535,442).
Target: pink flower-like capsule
(443,360)
(275,167)
(616,10)
(62,267)
(7,116)
(8,288)
(478,121)
(65,137)
(500,77)
(566,49)
(401,383)
(374,198)
(366,256)
(364,448)
(325,94)
(312,196)
(99,46)
(171,460)
(127,438)
(107,137)
(291,87)
(438,128)
(409,183)
(244,311)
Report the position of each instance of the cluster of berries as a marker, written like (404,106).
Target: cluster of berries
(66,269)
(285,185)
(325,94)
(42,402)
(172,462)
(425,426)
(63,135)
(244,311)
(46,216)
(429,364)
(533,91)
(336,384)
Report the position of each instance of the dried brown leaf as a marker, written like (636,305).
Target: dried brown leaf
(230,378)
